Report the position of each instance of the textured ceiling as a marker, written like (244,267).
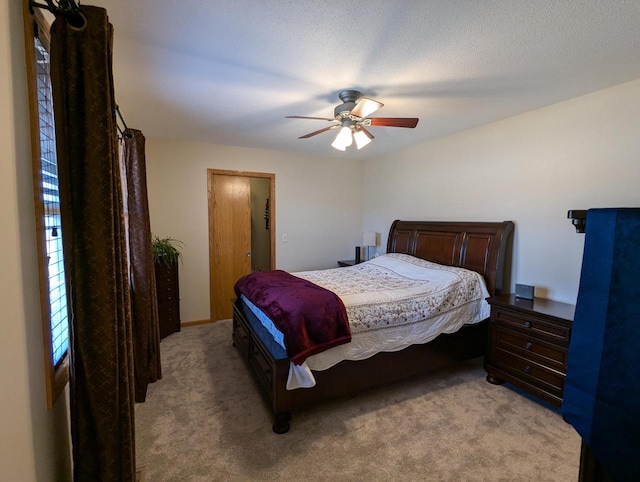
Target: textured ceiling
(229,71)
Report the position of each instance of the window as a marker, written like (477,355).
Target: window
(51,204)
(53,298)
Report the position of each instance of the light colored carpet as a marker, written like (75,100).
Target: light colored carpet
(205,421)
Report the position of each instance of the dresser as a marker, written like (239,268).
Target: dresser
(529,344)
(168,293)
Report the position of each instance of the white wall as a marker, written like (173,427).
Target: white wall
(318,204)
(579,154)
(34,442)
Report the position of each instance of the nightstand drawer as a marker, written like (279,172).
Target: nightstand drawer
(557,332)
(527,369)
(531,348)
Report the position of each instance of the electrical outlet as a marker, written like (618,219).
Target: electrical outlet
(285,237)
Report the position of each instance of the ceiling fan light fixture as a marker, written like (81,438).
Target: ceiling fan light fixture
(361,139)
(344,139)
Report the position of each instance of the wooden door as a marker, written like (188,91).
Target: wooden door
(230,239)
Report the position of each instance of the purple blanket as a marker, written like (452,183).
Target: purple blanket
(312,318)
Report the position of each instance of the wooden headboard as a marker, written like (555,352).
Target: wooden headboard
(478,246)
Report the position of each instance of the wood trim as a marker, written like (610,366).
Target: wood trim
(272,199)
(56,377)
(272,206)
(196,323)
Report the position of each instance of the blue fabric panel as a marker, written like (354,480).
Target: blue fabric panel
(602,388)
(587,334)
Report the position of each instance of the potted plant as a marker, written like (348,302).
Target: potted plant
(166,251)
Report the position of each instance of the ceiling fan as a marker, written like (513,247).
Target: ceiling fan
(352,118)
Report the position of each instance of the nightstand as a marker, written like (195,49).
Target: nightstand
(347,262)
(529,344)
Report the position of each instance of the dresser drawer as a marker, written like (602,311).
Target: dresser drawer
(529,370)
(555,331)
(263,365)
(169,309)
(167,291)
(165,277)
(530,347)
(241,336)
(168,304)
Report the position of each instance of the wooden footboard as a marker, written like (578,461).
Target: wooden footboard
(267,361)
(269,365)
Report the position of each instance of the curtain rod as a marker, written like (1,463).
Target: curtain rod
(65,8)
(124,124)
(123,130)
(71,10)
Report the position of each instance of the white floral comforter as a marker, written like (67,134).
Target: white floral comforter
(393,301)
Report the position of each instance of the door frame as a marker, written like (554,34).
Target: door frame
(272,219)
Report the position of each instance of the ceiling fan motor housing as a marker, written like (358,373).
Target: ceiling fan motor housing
(342,111)
(349,98)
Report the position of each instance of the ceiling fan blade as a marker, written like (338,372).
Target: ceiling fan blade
(303,117)
(311,134)
(366,132)
(365,107)
(410,122)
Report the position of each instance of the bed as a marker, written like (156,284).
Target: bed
(481,247)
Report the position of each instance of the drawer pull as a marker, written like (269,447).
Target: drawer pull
(529,345)
(527,324)
(527,369)
(267,371)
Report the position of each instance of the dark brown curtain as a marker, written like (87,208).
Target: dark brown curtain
(101,368)
(144,301)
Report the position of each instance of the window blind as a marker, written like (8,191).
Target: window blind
(51,202)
